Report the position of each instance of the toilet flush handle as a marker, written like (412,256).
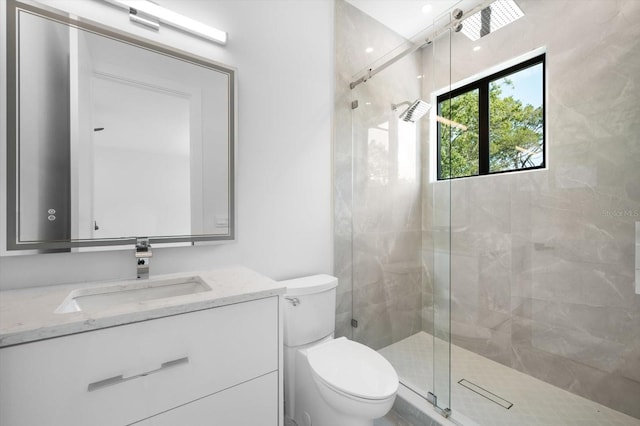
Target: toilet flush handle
(294,300)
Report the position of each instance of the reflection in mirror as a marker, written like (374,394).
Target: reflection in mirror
(114,138)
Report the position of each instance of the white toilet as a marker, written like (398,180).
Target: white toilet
(329,382)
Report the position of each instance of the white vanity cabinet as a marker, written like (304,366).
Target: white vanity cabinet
(217,366)
(250,403)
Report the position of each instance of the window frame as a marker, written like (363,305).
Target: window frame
(482,85)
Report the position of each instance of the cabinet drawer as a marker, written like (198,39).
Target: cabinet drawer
(119,375)
(254,403)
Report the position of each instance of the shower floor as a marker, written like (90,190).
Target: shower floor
(534,401)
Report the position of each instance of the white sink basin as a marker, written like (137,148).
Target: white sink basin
(100,298)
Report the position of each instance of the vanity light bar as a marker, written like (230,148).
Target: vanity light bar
(147,21)
(174,19)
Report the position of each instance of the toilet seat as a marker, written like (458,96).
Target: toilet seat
(353,369)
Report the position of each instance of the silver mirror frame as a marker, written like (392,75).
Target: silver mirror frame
(13,243)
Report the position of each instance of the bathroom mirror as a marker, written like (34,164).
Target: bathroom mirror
(111,137)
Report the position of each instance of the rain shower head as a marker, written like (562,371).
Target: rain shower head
(490,19)
(415,111)
(418,109)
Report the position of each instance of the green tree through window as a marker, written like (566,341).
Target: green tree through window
(493,125)
(458,146)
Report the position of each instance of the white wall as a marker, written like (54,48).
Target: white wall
(282,51)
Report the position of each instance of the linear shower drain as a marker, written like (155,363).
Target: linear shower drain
(485,393)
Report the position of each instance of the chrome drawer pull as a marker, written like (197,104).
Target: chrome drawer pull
(121,379)
(104,383)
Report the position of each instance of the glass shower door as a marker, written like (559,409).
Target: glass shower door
(386,207)
(401,220)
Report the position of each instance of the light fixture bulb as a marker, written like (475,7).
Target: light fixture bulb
(369,49)
(427,8)
(174,19)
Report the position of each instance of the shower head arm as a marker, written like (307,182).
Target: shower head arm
(395,107)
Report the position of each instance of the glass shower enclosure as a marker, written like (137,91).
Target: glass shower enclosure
(508,297)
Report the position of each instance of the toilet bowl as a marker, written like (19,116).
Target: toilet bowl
(329,382)
(353,378)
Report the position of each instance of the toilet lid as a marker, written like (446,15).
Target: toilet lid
(354,369)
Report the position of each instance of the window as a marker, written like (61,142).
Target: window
(493,125)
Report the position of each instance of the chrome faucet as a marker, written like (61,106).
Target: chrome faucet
(143,257)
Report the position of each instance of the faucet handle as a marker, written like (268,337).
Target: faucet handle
(293,300)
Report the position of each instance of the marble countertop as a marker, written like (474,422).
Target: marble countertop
(28,315)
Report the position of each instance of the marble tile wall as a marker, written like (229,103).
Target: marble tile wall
(377,206)
(543,262)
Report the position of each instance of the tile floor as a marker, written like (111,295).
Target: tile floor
(534,401)
(393,419)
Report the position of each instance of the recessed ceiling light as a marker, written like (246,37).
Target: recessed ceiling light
(369,49)
(419,77)
(427,8)
(475,49)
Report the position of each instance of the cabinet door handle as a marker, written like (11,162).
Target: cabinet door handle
(115,380)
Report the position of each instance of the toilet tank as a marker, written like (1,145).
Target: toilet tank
(309,309)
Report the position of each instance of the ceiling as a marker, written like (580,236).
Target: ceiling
(406,17)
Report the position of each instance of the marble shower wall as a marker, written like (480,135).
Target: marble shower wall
(543,262)
(377,207)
